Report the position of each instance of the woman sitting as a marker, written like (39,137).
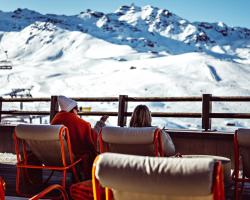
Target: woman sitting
(141,117)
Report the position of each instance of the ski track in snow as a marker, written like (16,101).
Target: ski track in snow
(214,73)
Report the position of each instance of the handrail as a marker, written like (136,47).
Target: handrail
(96,99)
(122,113)
(132,99)
(230,115)
(231,98)
(171,114)
(168,99)
(97,113)
(18,99)
(86,99)
(16,112)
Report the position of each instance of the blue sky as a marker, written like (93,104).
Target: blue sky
(232,12)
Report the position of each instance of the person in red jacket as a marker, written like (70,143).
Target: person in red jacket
(82,137)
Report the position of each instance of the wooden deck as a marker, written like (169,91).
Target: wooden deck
(186,142)
(8,172)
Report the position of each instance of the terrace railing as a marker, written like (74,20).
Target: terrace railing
(122,113)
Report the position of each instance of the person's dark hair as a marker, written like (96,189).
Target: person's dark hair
(141,117)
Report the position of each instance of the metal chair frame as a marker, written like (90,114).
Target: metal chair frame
(21,152)
(2,189)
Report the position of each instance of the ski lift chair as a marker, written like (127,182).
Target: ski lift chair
(144,141)
(242,158)
(50,144)
(6,64)
(153,178)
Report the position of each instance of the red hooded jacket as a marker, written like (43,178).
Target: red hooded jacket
(83,139)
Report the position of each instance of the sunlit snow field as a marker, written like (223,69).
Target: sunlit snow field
(82,56)
(181,75)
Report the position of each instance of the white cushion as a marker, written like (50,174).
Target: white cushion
(38,132)
(154,175)
(122,135)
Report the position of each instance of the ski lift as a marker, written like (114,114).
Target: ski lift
(6,63)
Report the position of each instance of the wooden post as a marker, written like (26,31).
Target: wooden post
(206,110)
(53,107)
(1,105)
(122,109)
(21,105)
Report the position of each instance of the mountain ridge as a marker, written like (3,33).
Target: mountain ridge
(145,29)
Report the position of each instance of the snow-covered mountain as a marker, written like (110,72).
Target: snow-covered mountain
(144,29)
(139,51)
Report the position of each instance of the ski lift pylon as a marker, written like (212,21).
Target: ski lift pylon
(6,63)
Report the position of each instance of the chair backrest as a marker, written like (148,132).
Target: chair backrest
(135,141)
(243,140)
(49,143)
(144,178)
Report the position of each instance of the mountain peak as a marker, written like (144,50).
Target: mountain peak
(149,7)
(90,13)
(221,24)
(25,12)
(145,29)
(125,9)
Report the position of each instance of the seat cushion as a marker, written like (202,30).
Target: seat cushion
(38,132)
(120,135)
(226,164)
(165,176)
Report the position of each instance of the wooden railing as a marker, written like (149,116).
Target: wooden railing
(122,113)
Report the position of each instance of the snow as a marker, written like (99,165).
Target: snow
(7,158)
(135,51)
